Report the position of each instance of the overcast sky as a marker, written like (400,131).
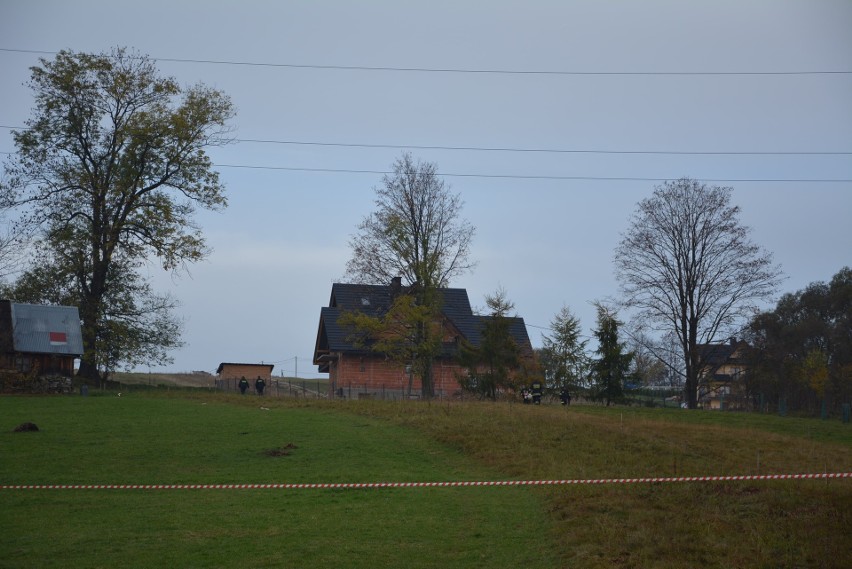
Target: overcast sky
(667,78)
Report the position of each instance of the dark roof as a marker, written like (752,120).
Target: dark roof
(41,329)
(715,355)
(376,299)
(223,364)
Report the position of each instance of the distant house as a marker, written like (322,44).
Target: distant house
(352,366)
(39,338)
(720,383)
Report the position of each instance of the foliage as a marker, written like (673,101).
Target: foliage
(137,326)
(802,350)
(609,369)
(409,333)
(686,265)
(415,232)
(491,363)
(563,354)
(110,170)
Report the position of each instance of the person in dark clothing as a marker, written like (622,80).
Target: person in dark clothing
(243,385)
(565,396)
(537,388)
(259,384)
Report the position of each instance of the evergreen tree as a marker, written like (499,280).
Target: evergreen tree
(609,369)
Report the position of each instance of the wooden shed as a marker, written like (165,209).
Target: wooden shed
(41,338)
(248,371)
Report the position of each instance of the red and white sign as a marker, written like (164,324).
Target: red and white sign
(58,338)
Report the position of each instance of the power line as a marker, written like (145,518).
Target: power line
(549,150)
(471,71)
(537,150)
(535,177)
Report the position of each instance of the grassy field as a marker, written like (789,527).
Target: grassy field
(202,437)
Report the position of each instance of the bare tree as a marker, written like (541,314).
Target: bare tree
(687,265)
(416,231)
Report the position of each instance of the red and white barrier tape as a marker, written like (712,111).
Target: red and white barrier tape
(284,486)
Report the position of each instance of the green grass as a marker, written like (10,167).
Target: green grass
(202,437)
(152,440)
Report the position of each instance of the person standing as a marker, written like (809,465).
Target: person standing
(259,384)
(537,388)
(243,385)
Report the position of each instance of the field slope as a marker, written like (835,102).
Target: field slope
(196,438)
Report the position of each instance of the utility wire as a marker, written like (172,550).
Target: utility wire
(536,177)
(536,150)
(470,71)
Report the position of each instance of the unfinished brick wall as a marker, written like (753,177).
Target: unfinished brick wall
(374,373)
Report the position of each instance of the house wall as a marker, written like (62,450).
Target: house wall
(46,364)
(376,373)
(236,371)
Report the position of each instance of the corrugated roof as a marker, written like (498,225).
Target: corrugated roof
(42,329)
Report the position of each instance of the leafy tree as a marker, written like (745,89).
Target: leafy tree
(686,265)
(111,169)
(610,368)
(801,351)
(490,363)
(415,233)
(137,326)
(408,333)
(563,354)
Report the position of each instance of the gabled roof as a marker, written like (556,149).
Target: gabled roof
(42,329)
(377,299)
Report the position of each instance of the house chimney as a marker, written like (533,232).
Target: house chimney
(733,340)
(395,287)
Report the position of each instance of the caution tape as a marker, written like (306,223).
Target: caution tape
(360,485)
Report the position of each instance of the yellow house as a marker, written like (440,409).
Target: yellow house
(720,384)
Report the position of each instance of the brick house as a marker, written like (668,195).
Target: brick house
(39,338)
(720,383)
(356,367)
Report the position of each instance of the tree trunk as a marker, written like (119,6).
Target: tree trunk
(428,388)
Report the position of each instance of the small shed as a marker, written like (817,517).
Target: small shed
(248,371)
(37,337)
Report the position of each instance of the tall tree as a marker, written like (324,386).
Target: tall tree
(415,233)
(609,369)
(563,353)
(686,265)
(111,168)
